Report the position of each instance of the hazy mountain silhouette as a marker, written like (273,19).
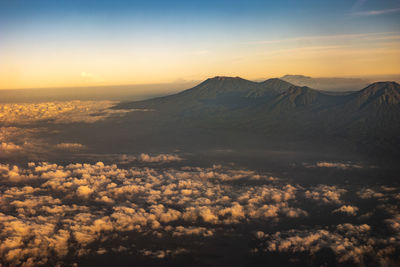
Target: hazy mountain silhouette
(327,83)
(227,92)
(377,96)
(369,118)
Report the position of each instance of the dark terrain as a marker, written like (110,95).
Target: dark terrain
(277,115)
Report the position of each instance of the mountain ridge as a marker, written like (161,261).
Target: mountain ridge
(236,92)
(339,84)
(279,110)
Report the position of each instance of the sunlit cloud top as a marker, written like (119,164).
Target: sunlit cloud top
(83,43)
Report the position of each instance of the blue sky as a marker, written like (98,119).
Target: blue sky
(33,30)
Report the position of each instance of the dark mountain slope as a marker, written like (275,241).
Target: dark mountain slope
(301,98)
(377,96)
(215,94)
(270,87)
(368,119)
(372,116)
(329,84)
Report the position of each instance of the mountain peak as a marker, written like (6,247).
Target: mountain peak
(277,82)
(224,78)
(377,86)
(379,94)
(300,90)
(297,76)
(381,88)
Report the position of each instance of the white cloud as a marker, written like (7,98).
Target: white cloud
(347,209)
(352,244)
(377,12)
(44,206)
(58,112)
(338,165)
(333,37)
(87,76)
(367,193)
(326,194)
(70,146)
(159,158)
(9,147)
(84,191)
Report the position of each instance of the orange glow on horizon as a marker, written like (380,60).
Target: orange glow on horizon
(59,67)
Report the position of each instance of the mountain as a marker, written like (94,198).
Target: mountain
(297,97)
(221,93)
(327,84)
(378,95)
(270,87)
(368,119)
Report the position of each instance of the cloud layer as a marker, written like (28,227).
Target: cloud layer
(49,211)
(58,112)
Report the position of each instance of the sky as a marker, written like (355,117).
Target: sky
(88,43)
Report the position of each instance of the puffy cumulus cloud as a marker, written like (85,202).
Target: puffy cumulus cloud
(192,230)
(146,158)
(31,242)
(162,253)
(159,158)
(15,141)
(326,194)
(14,174)
(58,112)
(338,165)
(29,142)
(22,125)
(84,191)
(70,146)
(367,193)
(394,224)
(9,147)
(7,132)
(52,210)
(351,244)
(347,209)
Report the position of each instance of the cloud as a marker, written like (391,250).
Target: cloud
(15,141)
(338,165)
(334,37)
(84,191)
(160,254)
(367,193)
(49,211)
(159,158)
(347,209)
(87,76)
(326,194)
(146,158)
(58,112)
(394,224)
(376,12)
(351,244)
(160,202)
(70,146)
(32,141)
(199,231)
(9,147)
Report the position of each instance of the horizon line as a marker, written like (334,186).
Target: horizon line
(210,77)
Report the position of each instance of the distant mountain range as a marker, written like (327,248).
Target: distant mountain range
(368,119)
(328,83)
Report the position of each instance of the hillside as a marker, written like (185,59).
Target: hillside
(369,118)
